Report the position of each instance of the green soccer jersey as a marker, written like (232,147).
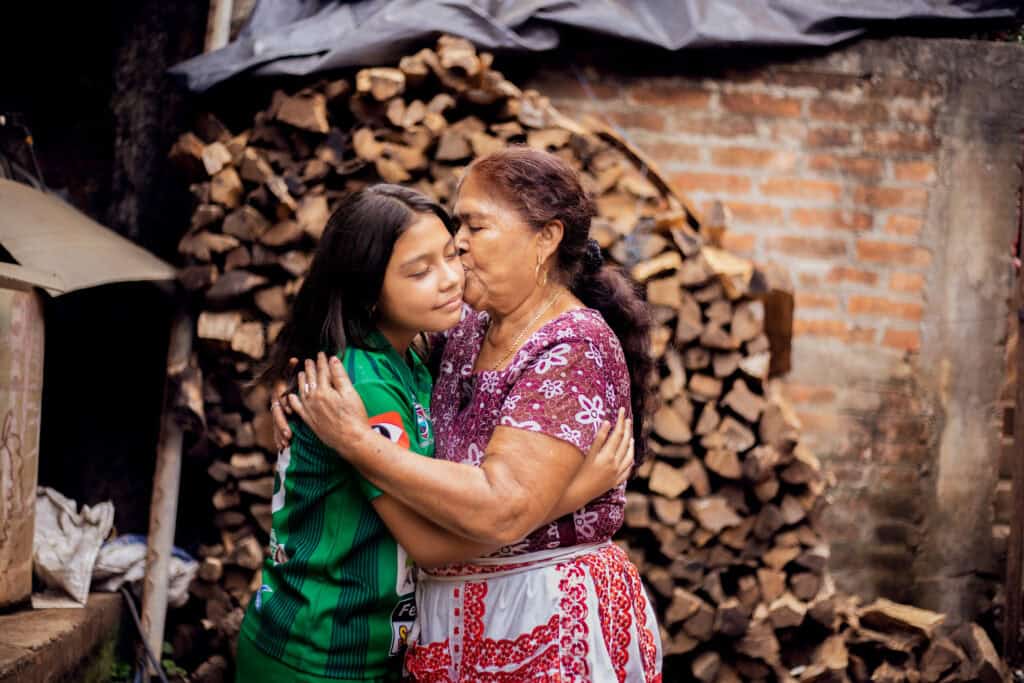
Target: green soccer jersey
(337,593)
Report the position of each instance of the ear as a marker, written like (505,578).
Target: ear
(549,237)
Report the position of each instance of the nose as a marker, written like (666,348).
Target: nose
(452,275)
(462,240)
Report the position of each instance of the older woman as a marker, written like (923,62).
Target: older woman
(557,342)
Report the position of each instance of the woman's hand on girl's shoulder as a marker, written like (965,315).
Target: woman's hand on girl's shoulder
(328,403)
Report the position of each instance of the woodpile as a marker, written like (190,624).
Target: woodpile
(723,519)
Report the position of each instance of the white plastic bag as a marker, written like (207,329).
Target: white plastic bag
(123,560)
(67,540)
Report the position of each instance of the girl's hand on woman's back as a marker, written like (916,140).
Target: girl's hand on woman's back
(610,458)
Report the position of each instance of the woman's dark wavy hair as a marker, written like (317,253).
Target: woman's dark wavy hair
(335,306)
(543,188)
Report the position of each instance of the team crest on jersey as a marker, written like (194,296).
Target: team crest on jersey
(259,595)
(422,423)
(389,425)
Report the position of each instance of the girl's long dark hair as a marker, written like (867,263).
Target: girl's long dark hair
(335,306)
(543,188)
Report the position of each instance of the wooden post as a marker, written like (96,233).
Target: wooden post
(218,25)
(1015,543)
(163,510)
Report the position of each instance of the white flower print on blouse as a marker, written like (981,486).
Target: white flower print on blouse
(466,370)
(489,382)
(609,393)
(584,521)
(553,358)
(476,454)
(593,410)
(531,425)
(565,333)
(552,388)
(571,435)
(511,402)
(447,367)
(594,355)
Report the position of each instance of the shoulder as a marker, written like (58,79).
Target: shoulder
(369,366)
(577,332)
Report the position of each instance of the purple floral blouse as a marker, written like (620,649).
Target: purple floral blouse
(568,377)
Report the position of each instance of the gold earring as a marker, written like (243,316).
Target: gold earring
(536,276)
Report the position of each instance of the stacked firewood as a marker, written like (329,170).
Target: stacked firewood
(723,519)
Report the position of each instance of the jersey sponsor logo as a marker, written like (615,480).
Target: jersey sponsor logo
(389,425)
(402,618)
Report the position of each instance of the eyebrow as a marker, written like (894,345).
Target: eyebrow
(424,256)
(470,215)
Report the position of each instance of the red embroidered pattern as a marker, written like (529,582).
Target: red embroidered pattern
(613,606)
(573,622)
(555,651)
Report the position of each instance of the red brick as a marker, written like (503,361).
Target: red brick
(837,329)
(912,283)
(855,275)
(888,252)
(808,393)
(738,243)
(862,335)
(808,246)
(670,93)
(914,171)
(888,86)
(802,188)
(859,167)
(835,219)
(745,212)
(762,105)
(820,80)
(715,126)
(914,111)
(647,119)
(829,137)
(848,112)
(711,182)
(559,84)
(898,141)
(809,280)
(898,224)
(891,197)
(756,158)
(905,340)
(815,300)
(675,152)
(876,305)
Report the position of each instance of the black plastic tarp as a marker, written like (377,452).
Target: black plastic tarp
(301,37)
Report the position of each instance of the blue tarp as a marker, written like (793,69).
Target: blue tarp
(301,37)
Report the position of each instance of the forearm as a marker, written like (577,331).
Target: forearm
(482,504)
(579,492)
(427,544)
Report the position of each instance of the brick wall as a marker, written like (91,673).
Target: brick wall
(830,174)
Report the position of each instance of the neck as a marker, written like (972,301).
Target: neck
(509,323)
(400,339)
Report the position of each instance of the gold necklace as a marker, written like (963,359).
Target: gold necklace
(515,343)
